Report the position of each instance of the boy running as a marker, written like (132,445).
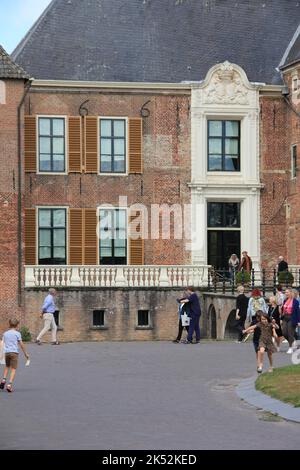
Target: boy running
(11,341)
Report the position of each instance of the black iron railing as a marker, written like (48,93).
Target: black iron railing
(267,280)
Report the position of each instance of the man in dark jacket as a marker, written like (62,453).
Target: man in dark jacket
(241,312)
(195,313)
(282,265)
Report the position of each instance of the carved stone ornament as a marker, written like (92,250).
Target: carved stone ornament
(226,87)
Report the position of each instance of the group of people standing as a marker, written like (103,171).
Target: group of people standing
(235,265)
(270,322)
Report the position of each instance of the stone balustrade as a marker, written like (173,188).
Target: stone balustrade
(116,276)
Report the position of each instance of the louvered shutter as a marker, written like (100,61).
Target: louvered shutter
(136,246)
(135,126)
(90,237)
(75,150)
(30,237)
(76,236)
(30,144)
(91,144)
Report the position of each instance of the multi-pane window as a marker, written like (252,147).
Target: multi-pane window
(52,145)
(223,145)
(113,146)
(113,236)
(98,318)
(52,236)
(294,161)
(223,214)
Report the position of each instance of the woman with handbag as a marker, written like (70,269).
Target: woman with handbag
(183,313)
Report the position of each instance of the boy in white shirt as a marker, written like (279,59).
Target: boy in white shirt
(11,341)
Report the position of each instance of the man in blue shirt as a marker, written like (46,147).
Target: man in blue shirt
(195,313)
(47,314)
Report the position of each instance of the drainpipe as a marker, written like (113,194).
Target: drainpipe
(20,260)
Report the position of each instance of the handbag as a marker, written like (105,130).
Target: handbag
(185,320)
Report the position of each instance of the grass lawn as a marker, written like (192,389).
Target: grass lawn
(283,384)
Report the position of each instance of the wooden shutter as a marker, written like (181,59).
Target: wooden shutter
(76,236)
(30,237)
(90,237)
(136,246)
(74,135)
(135,126)
(91,144)
(30,144)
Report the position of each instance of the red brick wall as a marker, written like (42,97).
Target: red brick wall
(166,157)
(293,199)
(280,202)
(8,202)
(273,167)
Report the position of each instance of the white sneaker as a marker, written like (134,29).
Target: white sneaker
(284,341)
(290,351)
(278,349)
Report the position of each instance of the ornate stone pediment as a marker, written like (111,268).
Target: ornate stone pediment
(226,85)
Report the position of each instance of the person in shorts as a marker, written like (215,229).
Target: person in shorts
(11,341)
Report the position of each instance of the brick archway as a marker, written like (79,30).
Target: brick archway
(218,314)
(212,323)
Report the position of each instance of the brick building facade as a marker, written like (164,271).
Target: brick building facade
(220,138)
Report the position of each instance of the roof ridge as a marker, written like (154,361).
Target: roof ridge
(8,68)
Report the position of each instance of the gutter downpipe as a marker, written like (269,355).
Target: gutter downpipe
(20,194)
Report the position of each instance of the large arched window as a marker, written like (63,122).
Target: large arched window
(2,93)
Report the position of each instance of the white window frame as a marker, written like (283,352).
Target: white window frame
(293,167)
(52,116)
(126,119)
(100,208)
(224,117)
(37,208)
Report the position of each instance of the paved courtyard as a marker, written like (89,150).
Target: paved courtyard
(138,396)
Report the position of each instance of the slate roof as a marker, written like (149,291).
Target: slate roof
(158,40)
(292,54)
(8,69)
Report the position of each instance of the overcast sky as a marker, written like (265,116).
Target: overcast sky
(16,17)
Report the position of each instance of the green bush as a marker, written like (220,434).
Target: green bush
(285,278)
(25,333)
(242,277)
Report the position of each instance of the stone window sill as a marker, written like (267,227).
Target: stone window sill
(144,327)
(95,328)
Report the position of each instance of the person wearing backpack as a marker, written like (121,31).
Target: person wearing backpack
(256,302)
